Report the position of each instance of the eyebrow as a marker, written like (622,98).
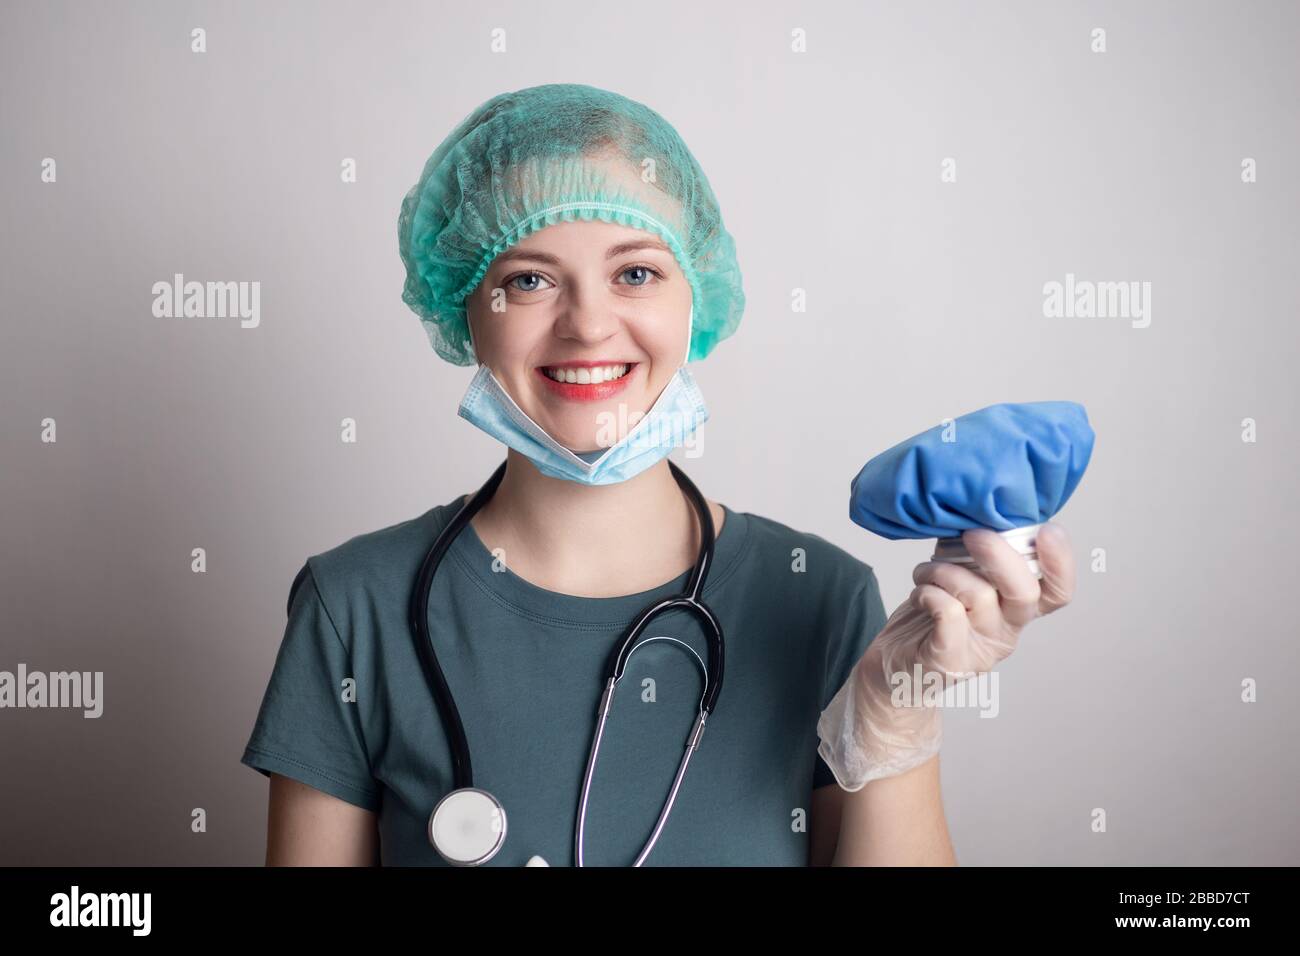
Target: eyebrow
(614,251)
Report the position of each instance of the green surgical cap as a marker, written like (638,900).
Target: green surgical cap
(558,153)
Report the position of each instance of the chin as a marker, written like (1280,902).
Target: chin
(599,427)
(576,440)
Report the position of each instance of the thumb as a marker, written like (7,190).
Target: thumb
(1056,558)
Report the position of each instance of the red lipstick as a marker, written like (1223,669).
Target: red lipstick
(579,392)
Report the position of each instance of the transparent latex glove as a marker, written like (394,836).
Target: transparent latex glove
(956,623)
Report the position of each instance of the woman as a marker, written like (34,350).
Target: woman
(565,239)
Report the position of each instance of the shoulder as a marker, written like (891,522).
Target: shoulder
(840,571)
(373,567)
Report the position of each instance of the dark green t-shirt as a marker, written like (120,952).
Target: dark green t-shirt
(526,668)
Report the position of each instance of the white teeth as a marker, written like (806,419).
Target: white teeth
(587,376)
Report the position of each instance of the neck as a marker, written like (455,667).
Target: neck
(592,540)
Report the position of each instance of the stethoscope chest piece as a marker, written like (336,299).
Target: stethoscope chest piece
(467,827)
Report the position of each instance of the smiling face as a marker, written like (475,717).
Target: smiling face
(583,323)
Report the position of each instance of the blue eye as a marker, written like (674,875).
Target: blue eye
(526,276)
(644,271)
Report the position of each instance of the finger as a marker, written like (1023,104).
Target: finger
(1056,558)
(1018,589)
(976,593)
(950,628)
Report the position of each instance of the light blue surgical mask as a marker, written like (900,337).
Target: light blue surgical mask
(669,423)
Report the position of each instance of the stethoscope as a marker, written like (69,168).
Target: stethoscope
(468,825)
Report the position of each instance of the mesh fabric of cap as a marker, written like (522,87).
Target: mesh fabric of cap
(560,152)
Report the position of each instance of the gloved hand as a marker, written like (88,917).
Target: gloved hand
(957,623)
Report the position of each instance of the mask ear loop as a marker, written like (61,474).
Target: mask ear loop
(690,326)
(473,349)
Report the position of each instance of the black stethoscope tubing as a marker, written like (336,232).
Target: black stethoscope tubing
(690,599)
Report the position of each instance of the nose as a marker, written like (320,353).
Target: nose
(585,317)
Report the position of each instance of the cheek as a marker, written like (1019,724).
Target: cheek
(500,341)
(664,338)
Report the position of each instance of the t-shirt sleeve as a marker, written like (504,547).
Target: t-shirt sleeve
(863,621)
(308,726)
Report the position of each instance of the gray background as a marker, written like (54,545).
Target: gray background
(924,301)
